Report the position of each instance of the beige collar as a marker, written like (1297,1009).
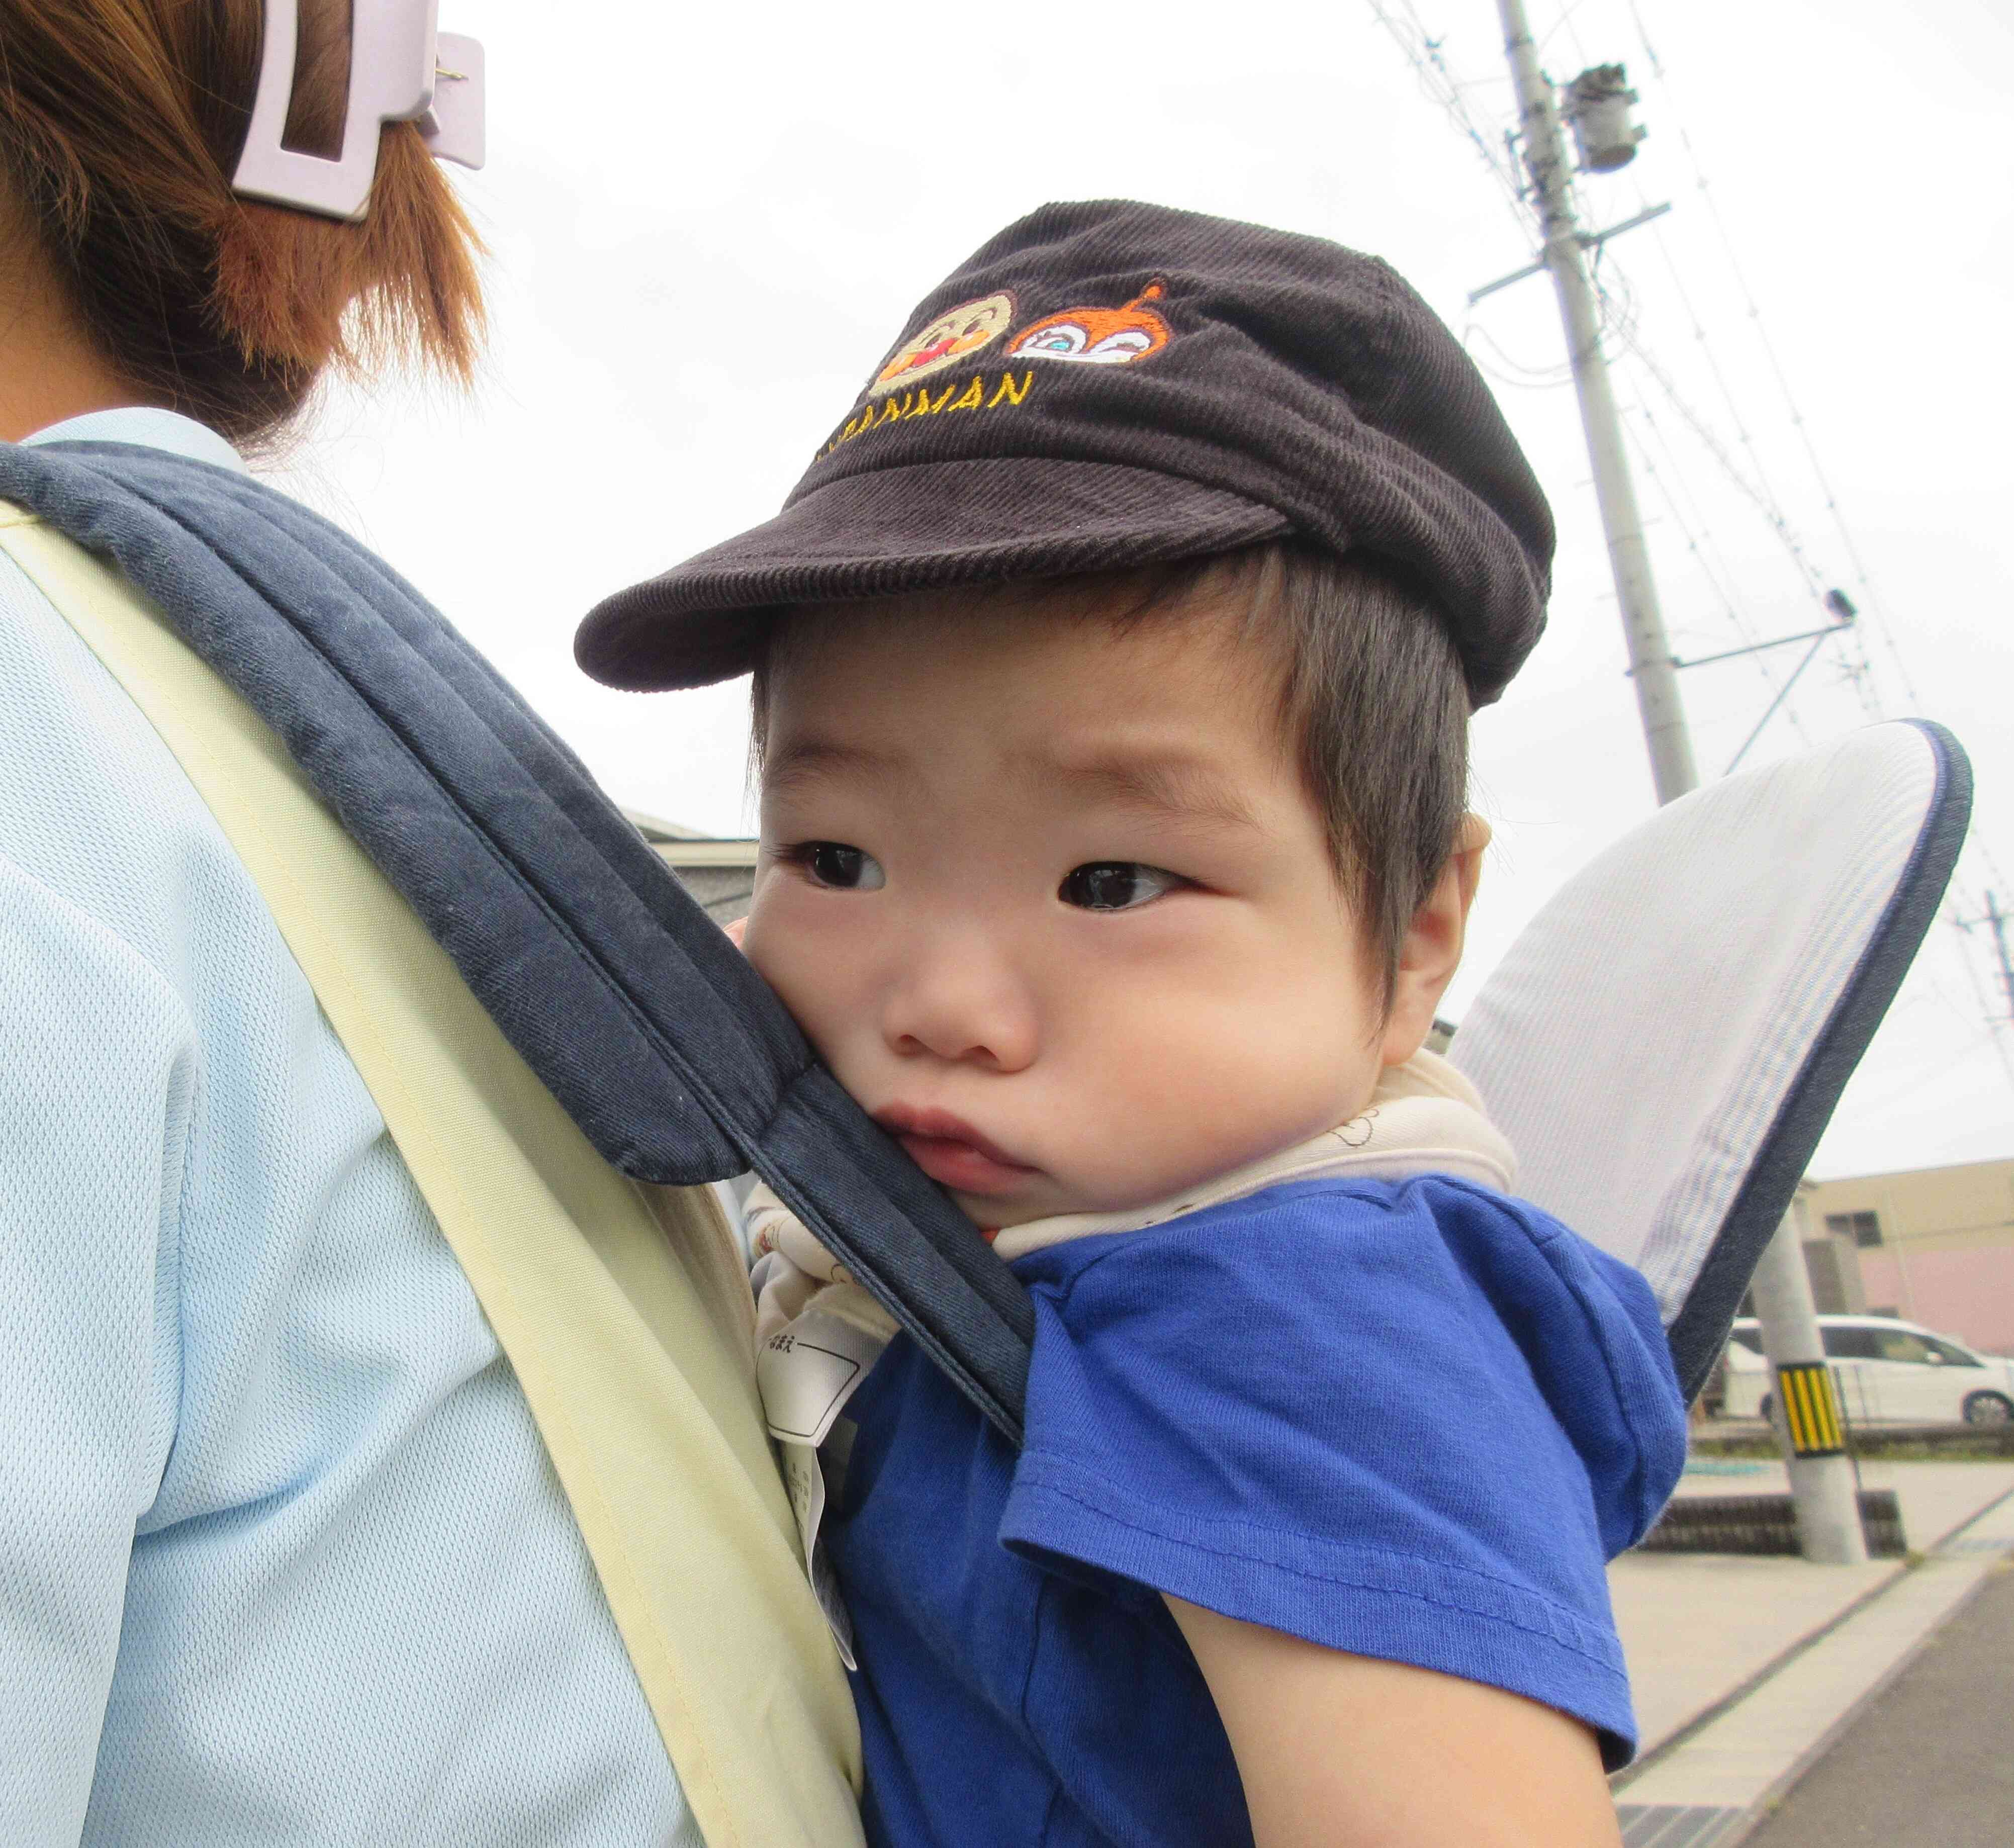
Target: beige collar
(1424,1118)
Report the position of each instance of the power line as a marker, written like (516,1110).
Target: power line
(1423,52)
(1616,307)
(1865,679)
(1622,318)
(1619,318)
(1864,675)
(1995,1031)
(1637,414)
(1873,602)
(1755,488)
(1519,377)
(1564,22)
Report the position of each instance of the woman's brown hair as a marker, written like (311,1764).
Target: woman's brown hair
(120,124)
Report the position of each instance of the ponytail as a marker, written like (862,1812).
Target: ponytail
(120,124)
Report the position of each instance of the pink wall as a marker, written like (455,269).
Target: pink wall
(1969,1294)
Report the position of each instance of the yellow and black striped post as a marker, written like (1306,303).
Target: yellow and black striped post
(1811,1409)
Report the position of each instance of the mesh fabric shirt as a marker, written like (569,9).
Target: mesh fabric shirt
(282,1558)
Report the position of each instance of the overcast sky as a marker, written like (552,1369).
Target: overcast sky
(709,224)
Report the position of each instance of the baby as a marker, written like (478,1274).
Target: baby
(1113,667)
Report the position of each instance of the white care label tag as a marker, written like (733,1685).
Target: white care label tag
(806,1481)
(807,1372)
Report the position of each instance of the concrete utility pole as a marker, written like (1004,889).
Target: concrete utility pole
(1806,1409)
(1996,921)
(1822,1480)
(1651,662)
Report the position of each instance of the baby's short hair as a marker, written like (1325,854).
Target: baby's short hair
(1371,698)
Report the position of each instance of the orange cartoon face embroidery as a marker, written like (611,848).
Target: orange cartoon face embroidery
(1099,336)
(947,339)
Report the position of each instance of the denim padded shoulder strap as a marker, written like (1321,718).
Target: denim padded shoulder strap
(635,1011)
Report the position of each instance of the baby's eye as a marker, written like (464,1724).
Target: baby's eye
(845,868)
(1115,885)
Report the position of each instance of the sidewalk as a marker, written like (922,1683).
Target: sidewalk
(1746,1668)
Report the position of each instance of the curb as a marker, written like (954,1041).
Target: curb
(1714,1780)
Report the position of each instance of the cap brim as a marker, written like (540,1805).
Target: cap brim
(930,526)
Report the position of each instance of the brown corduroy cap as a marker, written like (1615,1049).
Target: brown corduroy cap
(1111,384)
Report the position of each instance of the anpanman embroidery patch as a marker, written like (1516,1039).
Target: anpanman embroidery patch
(1087,336)
(955,334)
(1099,336)
(977,393)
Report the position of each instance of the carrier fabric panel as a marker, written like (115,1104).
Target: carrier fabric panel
(1664,1042)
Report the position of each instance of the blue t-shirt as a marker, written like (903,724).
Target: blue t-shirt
(1410,1420)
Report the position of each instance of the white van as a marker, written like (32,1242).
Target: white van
(1887,1372)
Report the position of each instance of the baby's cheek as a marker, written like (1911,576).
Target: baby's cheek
(778,950)
(813,976)
(1157,1123)
(1239,1101)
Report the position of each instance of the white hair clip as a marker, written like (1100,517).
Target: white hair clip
(401,70)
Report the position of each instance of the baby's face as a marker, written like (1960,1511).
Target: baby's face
(1051,901)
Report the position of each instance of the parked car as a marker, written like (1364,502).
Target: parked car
(1888,1372)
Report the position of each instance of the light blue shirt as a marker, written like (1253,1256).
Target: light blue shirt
(282,1558)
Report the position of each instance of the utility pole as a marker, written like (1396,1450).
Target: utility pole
(1805,1407)
(1651,662)
(1997,918)
(1828,1509)
(1996,921)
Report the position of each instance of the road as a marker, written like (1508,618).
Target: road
(1930,1764)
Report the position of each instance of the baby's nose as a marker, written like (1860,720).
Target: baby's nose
(959,1000)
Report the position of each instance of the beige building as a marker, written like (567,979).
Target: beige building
(1933,1245)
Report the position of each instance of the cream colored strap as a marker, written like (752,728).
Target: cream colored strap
(621,1309)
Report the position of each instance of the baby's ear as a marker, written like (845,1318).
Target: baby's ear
(1470,840)
(735,930)
(1432,950)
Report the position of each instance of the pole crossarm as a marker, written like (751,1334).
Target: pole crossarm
(1594,240)
(1490,288)
(1586,240)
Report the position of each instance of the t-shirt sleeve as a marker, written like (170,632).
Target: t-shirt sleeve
(1407,1420)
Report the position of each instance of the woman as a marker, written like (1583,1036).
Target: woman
(304,1534)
